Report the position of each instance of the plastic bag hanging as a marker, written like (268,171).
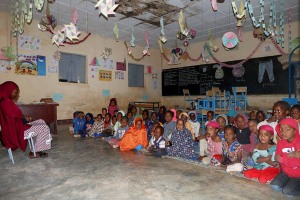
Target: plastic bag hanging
(146,50)
(162,36)
(116,32)
(182,24)
(132,38)
(74,16)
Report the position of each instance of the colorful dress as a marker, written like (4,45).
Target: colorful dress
(182,145)
(232,151)
(97,127)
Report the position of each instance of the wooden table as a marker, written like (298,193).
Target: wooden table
(45,111)
(147,105)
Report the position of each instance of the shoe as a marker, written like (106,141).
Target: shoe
(96,135)
(115,146)
(77,135)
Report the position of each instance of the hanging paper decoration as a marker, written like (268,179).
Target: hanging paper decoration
(162,36)
(95,62)
(71,32)
(39,4)
(106,7)
(214,5)
(289,31)
(20,14)
(182,24)
(146,50)
(230,40)
(240,15)
(74,16)
(29,14)
(130,53)
(8,53)
(58,38)
(238,71)
(116,31)
(132,38)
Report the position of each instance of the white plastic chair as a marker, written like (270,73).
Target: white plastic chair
(31,146)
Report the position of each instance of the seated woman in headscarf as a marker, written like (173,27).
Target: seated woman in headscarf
(181,143)
(15,126)
(135,137)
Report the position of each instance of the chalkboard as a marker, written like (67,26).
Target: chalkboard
(135,75)
(200,78)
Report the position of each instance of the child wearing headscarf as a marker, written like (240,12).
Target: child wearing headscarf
(181,142)
(194,124)
(265,168)
(89,121)
(136,136)
(288,156)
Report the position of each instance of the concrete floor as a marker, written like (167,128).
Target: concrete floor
(79,168)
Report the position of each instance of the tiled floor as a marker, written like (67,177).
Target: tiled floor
(79,168)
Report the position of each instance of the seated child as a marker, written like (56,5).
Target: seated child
(260,116)
(161,114)
(135,137)
(230,116)
(104,111)
(169,126)
(97,127)
(288,156)
(119,116)
(145,116)
(181,143)
(243,133)
(130,118)
(295,112)
(252,124)
(184,116)
(135,113)
(89,121)
(108,128)
(209,116)
(194,124)
(151,122)
(281,110)
(214,144)
(78,124)
(178,112)
(71,128)
(265,167)
(252,114)
(157,143)
(222,121)
(115,141)
(232,150)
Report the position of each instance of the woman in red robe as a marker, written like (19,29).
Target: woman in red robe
(15,126)
(135,136)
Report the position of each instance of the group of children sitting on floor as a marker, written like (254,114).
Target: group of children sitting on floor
(265,149)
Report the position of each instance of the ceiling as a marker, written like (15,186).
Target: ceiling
(144,15)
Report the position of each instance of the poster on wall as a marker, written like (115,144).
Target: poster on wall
(121,66)
(105,75)
(6,65)
(149,69)
(34,65)
(27,42)
(53,67)
(93,71)
(119,75)
(155,84)
(107,64)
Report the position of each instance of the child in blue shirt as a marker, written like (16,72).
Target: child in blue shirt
(79,122)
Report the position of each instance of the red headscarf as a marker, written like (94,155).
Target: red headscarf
(11,119)
(288,121)
(267,128)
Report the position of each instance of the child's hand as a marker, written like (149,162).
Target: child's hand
(294,154)
(277,157)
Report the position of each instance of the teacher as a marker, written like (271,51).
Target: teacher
(15,126)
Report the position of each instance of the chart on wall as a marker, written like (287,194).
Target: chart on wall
(260,75)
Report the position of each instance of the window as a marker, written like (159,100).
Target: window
(135,75)
(72,68)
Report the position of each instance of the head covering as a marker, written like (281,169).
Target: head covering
(288,121)
(213,124)
(7,88)
(267,128)
(223,116)
(244,117)
(11,119)
(185,114)
(122,112)
(174,116)
(231,113)
(113,99)
(193,112)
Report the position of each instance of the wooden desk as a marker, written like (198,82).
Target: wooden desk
(147,105)
(45,111)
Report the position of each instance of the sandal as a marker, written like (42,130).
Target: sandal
(38,155)
(43,154)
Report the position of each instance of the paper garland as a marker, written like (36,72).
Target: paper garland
(116,32)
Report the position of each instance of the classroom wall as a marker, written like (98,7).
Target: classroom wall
(243,50)
(79,96)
